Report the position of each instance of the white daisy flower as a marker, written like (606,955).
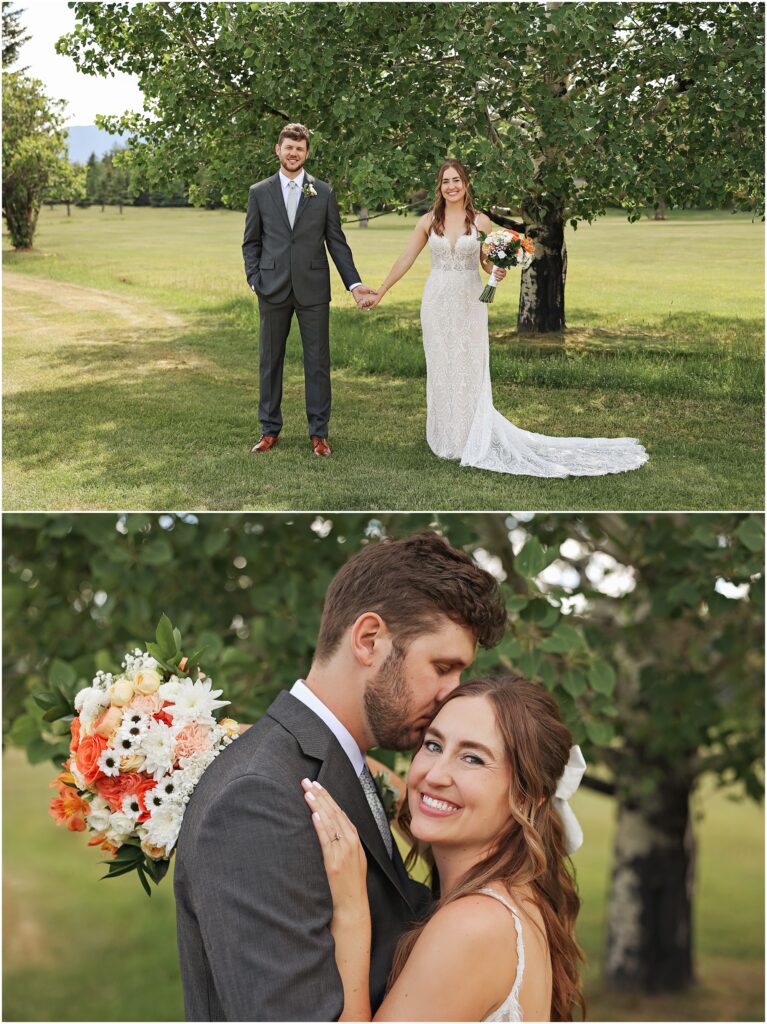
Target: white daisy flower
(134,725)
(109,762)
(195,702)
(131,808)
(157,747)
(98,815)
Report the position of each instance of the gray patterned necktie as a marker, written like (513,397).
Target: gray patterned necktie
(369,788)
(292,201)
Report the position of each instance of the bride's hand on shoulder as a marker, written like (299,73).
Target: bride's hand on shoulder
(342,852)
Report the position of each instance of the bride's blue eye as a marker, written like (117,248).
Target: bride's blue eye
(474,759)
(429,744)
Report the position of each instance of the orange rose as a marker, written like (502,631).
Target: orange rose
(69,808)
(88,753)
(115,788)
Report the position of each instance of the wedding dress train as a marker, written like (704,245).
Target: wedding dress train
(461,421)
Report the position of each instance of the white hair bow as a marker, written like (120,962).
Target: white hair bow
(566,787)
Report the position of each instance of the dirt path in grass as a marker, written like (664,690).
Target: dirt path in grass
(77,298)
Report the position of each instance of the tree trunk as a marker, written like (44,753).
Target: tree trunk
(364,212)
(120,203)
(542,293)
(660,210)
(69,208)
(649,926)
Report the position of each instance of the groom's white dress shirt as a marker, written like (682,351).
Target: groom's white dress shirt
(285,182)
(302,692)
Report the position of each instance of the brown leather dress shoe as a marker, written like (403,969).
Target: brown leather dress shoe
(266,443)
(320,446)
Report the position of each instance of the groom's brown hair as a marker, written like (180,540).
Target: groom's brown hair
(295,132)
(410,583)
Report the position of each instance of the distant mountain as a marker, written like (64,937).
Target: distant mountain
(85,139)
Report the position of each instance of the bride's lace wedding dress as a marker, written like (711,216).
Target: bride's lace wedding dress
(461,422)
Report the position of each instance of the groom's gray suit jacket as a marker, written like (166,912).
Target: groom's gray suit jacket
(252,899)
(278,258)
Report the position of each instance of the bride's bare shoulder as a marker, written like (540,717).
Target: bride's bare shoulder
(462,965)
(483,222)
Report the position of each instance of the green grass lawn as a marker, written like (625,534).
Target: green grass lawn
(131,372)
(76,948)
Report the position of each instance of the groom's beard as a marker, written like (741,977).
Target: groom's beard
(387,706)
(292,168)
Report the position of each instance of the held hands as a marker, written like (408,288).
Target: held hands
(366,298)
(342,852)
(499,272)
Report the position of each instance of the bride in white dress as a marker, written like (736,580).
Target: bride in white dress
(461,421)
(487,809)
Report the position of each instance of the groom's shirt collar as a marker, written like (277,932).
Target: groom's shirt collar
(302,692)
(299,180)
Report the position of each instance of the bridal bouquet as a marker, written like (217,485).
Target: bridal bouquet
(504,248)
(140,741)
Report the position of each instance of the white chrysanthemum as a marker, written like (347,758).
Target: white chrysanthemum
(157,745)
(164,824)
(99,814)
(109,762)
(195,702)
(169,690)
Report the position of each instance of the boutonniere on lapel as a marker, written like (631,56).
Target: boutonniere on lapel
(389,794)
(309,190)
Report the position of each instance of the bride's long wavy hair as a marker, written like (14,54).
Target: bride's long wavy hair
(530,850)
(438,207)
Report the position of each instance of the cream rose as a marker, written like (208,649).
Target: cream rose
(146,682)
(121,692)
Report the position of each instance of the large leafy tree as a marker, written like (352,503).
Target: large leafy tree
(648,628)
(559,110)
(34,154)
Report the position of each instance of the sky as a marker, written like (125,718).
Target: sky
(46,21)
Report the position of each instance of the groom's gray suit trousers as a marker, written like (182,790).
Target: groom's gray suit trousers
(313,322)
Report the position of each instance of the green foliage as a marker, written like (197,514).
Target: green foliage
(568,107)
(14,35)
(661,679)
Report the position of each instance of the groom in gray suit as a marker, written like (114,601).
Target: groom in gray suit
(400,623)
(291,218)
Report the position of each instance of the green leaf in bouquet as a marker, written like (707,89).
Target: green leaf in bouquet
(46,700)
(177,638)
(165,639)
(156,869)
(142,879)
(129,853)
(118,869)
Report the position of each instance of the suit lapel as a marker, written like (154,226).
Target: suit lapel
(304,200)
(337,775)
(275,191)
